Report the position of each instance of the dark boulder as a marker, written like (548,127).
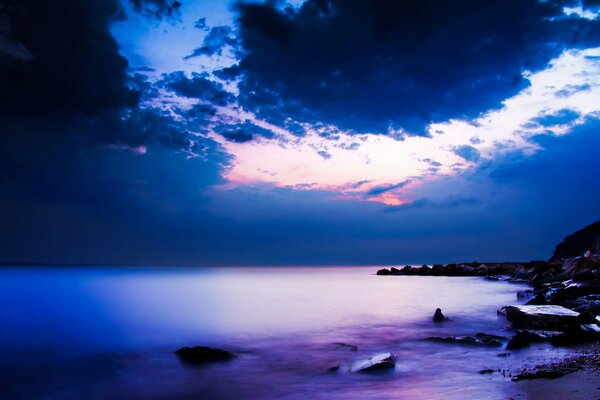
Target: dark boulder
(203,355)
(384,271)
(523,339)
(438,316)
(576,335)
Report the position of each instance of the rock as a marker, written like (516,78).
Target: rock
(579,243)
(350,347)
(377,363)
(538,300)
(203,355)
(480,339)
(523,339)
(394,271)
(550,317)
(525,294)
(580,334)
(384,272)
(503,355)
(335,368)
(438,316)
(486,371)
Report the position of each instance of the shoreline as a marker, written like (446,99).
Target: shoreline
(572,284)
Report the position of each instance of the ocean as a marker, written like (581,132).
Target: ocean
(111,333)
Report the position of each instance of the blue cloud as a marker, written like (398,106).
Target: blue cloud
(469,153)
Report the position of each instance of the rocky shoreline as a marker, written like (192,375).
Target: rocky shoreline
(562,307)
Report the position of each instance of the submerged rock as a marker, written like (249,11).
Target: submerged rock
(377,363)
(203,355)
(524,338)
(438,316)
(550,317)
(350,347)
(487,371)
(480,339)
(333,369)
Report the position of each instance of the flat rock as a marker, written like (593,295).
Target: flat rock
(378,362)
(203,355)
(549,317)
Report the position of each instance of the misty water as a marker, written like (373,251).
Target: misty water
(96,333)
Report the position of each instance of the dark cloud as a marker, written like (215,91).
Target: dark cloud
(198,86)
(374,65)
(468,153)
(201,24)
(74,64)
(449,202)
(377,190)
(243,132)
(214,42)
(157,8)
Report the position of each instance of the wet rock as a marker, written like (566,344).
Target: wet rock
(523,339)
(525,294)
(384,271)
(580,334)
(333,369)
(503,355)
(203,355)
(377,363)
(438,316)
(480,339)
(551,317)
(538,300)
(486,371)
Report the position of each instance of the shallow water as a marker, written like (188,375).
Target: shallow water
(100,333)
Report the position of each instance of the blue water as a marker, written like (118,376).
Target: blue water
(110,333)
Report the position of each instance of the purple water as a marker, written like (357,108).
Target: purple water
(100,333)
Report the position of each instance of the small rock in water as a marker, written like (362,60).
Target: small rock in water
(377,363)
(438,316)
(350,347)
(486,371)
(335,368)
(203,355)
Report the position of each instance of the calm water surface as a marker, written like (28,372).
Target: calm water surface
(100,333)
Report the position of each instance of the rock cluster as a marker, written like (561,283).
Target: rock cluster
(562,307)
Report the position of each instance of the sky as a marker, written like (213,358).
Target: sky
(317,132)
